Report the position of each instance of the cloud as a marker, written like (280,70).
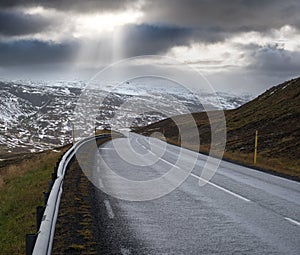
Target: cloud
(28,52)
(155,39)
(88,6)
(227,37)
(275,61)
(149,39)
(226,15)
(211,18)
(13,23)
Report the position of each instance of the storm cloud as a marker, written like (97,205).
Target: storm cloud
(27,52)
(260,37)
(14,23)
(155,39)
(88,6)
(151,39)
(227,15)
(273,59)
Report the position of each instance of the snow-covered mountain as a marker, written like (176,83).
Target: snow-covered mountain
(35,116)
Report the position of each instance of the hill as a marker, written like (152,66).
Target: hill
(36,115)
(276,116)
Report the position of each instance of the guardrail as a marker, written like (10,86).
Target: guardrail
(41,242)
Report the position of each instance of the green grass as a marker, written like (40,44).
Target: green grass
(19,198)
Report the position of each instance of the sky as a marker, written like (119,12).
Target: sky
(240,46)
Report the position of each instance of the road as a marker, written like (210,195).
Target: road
(239,211)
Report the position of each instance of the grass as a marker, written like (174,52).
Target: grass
(20,193)
(278,165)
(276,116)
(74,228)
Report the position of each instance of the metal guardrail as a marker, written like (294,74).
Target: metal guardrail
(41,243)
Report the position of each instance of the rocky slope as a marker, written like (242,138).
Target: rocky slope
(35,116)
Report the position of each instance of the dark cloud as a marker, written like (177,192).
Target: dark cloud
(71,5)
(17,23)
(165,24)
(154,39)
(275,61)
(148,39)
(227,15)
(27,52)
(212,19)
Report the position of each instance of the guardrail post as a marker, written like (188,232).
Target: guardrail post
(54,176)
(50,184)
(30,242)
(39,216)
(46,196)
(37,243)
(56,168)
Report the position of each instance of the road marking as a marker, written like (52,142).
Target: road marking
(125,251)
(169,163)
(109,210)
(292,221)
(100,183)
(212,184)
(141,144)
(106,148)
(221,188)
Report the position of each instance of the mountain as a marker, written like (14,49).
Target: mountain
(276,116)
(37,115)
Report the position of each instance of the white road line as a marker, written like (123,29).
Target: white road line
(221,188)
(125,251)
(100,183)
(141,144)
(109,210)
(292,221)
(169,163)
(212,184)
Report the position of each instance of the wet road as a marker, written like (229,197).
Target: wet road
(239,211)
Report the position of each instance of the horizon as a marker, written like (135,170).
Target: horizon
(240,47)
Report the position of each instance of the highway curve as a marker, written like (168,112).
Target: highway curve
(239,211)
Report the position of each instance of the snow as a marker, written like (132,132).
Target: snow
(43,121)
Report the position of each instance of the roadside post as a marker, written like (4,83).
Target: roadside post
(255,147)
(73,133)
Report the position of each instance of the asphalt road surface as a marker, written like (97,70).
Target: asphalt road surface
(239,211)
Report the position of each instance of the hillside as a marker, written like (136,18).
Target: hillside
(23,179)
(36,116)
(276,116)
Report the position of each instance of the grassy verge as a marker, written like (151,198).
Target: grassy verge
(277,165)
(74,228)
(22,183)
